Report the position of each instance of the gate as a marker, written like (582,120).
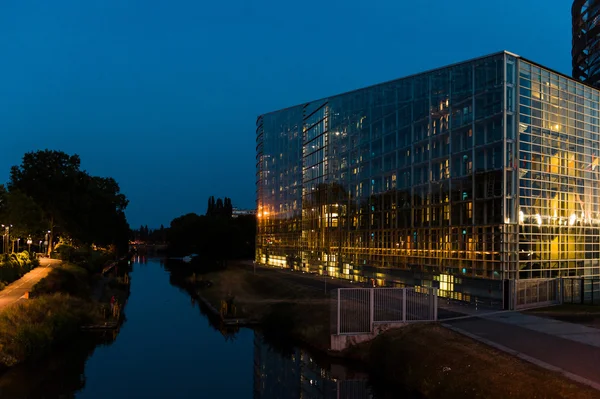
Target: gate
(358,310)
(537,292)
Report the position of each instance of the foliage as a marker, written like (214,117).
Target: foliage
(29,329)
(65,252)
(86,208)
(213,237)
(66,279)
(22,212)
(222,208)
(149,235)
(14,266)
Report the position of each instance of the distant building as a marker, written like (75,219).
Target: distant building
(241,212)
(462,178)
(586,41)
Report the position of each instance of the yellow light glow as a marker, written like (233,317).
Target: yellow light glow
(572,219)
(521,217)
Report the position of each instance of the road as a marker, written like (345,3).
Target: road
(14,292)
(547,349)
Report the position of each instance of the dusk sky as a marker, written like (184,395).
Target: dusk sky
(163,95)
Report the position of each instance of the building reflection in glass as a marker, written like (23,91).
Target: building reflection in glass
(459,178)
(296,376)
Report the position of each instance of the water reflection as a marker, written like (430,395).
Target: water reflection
(297,375)
(59,376)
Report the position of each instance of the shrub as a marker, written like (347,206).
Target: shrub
(67,279)
(14,266)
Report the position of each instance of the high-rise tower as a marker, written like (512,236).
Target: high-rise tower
(586,41)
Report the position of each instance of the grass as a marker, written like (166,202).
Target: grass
(440,363)
(279,304)
(30,329)
(588,315)
(67,278)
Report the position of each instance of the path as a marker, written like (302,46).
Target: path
(570,349)
(15,291)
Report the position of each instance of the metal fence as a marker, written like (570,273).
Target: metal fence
(358,310)
(536,292)
(584,290)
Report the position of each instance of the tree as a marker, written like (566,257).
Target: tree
(22,212)
(88,209)
(48,178)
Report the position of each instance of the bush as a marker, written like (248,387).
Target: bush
(14,266)
(67,279)
(30,329)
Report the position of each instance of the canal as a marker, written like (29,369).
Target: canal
(168,348)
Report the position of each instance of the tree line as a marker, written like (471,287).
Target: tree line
(216,235)
(48,196)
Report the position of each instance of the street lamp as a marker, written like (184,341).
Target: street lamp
(29,241)
(6,237)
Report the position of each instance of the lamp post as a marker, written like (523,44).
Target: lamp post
(29,241)
(6,237)
(47,242)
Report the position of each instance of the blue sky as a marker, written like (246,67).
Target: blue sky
(163,95)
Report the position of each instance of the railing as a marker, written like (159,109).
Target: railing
(583,290)
(552,291)
(536,292)
(358,310)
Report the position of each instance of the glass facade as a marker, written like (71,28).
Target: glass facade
(559,173)
(458,178)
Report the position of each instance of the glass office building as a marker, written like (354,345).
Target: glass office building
(586,41)
(461,178)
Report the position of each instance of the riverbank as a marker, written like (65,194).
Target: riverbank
(58,307)
(297,311)
(425,358)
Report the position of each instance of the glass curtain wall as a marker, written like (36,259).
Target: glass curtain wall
(559,146)
(402,182)
(279,188)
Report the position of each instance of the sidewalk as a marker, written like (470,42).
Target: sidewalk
(15,291)
(570,349)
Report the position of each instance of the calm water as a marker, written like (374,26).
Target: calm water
(168,349)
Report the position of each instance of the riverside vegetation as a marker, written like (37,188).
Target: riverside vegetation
(425,358)
(15,266)
(71,296)
(81,219)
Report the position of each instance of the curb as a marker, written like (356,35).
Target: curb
(525,357)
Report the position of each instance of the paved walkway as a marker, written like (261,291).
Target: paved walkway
(16,290)
(570,349)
